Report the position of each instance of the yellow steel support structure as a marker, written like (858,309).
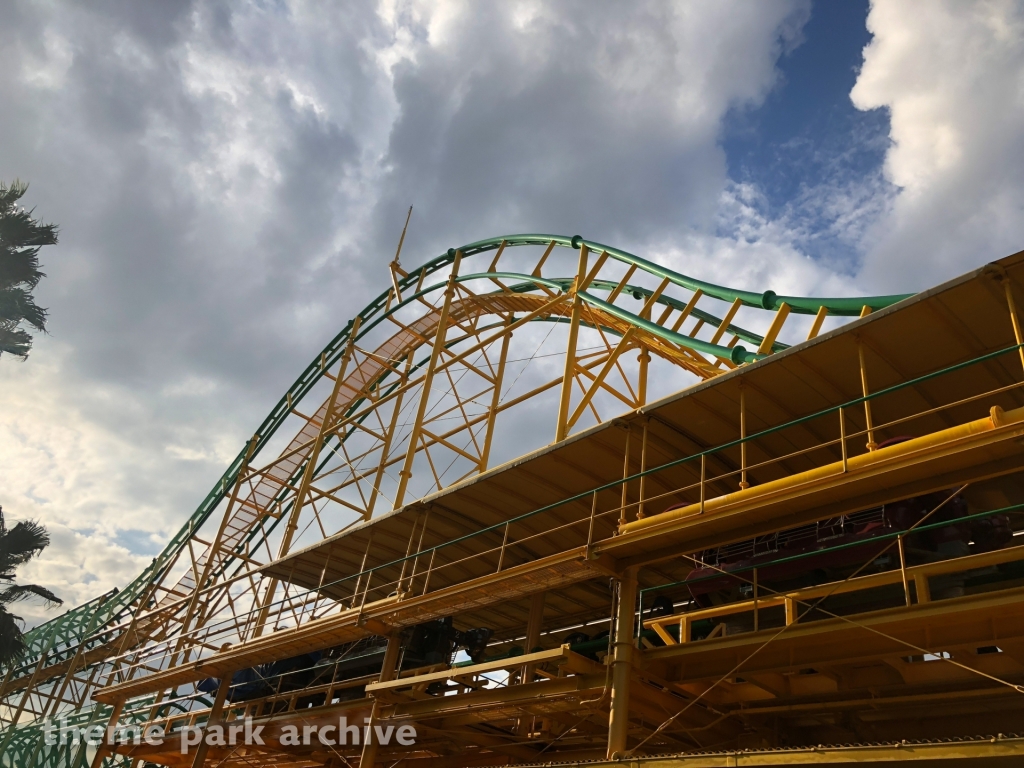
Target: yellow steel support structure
(717,561)
(622,665)
(562,423)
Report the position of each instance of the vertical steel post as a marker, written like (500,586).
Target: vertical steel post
(366,593)
(218,705)
(533,627)
(756,625)
(872,445)
(499,377)
(106,749)
(569,373)
(408,550)
(625,474)
(1013,318)
(703,471)
(590,529)
(622,664)
(643,468)
(743,438)
(644,359)
(842,437)
(362,569)
(387,672)
(430,570)
(419,551)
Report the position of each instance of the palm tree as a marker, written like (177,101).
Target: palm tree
(17,546)
(21,237)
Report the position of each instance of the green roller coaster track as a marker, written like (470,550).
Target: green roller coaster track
(59,639)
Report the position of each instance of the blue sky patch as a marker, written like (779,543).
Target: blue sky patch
(813,157)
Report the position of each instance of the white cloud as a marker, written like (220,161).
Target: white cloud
(49,70)
(572,117)
(951,75)
(81,479)
(59,466)
(753,252)
(77,567)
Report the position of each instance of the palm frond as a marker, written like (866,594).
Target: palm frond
(18,592)
(17,304)
(21,543)
(14,341)
(20,267)
(19,230)
(11,194)
(21,237)
(12,641)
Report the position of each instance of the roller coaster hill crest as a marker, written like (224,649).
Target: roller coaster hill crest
(748,529)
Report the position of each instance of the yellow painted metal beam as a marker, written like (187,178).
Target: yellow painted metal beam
(560,655)
(773,330)
(955,441)
(569,374)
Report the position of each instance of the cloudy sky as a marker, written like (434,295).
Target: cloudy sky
(230,179)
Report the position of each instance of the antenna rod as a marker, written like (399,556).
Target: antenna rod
(402,238)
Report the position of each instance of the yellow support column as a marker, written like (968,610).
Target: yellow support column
(499,379)
(643,468)
(768,341)
(534,623)
(872,445)
(743,437)
(1013,317)
(641,384)
(428,379)
(199,759)
(107,747)
(622,665)
(819,318)
(387,672)
(625,474)
(562,426)
(533,628)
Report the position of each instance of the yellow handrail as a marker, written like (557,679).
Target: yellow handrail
(919,573)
